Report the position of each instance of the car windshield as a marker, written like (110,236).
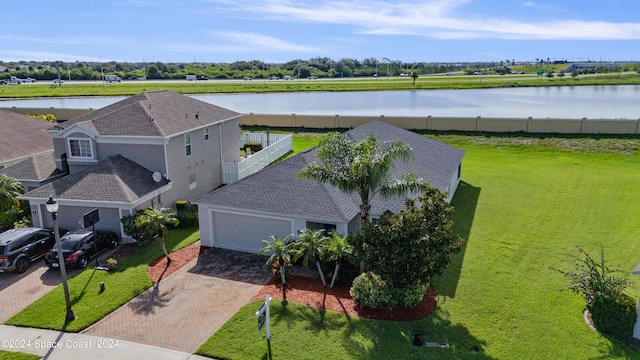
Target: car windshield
(67,244)
(2,249)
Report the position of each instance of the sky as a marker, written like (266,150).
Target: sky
(277,31)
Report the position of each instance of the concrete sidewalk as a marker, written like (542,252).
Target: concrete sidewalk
(53,345)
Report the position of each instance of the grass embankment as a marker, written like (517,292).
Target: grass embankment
(7,355)
(524,204)
(353,84)
(88,303)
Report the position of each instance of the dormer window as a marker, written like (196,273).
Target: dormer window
(80,148)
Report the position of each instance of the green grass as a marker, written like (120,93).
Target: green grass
(88,303)
(352,84)
(524,204)
(7,355)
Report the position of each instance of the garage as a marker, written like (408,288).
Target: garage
(243,232)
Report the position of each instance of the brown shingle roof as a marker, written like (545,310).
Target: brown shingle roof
(154,113)
(22,136)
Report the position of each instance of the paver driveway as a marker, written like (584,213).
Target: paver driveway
(182,311)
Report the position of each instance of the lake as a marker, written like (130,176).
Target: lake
(568,102)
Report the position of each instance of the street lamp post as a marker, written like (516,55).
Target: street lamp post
(52,208)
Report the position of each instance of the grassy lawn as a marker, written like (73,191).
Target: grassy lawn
(88,303)
(7,355)
(524,204)
(47,89)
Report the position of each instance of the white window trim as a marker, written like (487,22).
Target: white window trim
(91,145)
(188,145)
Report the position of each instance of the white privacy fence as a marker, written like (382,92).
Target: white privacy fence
(275,146)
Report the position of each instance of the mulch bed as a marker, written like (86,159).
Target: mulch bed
(311,292)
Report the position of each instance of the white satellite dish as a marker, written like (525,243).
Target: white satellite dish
(156,177)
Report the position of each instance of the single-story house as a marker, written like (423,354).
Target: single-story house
(275,202)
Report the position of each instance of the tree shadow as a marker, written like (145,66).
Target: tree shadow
(148,301)
(465,202)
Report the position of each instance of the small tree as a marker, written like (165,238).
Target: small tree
(414,76)
(337,249)
(280,254)
(409,247)
(310,246)
(157,221)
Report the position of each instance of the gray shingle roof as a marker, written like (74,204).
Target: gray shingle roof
(22,136)
(116,179)
(37,168)
(277,190)
(153,113)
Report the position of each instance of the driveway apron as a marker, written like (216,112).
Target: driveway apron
(182,311)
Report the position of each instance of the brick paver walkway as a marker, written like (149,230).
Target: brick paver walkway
(186,308)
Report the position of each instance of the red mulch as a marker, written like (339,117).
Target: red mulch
(303,290)
(159,270)
(311,292)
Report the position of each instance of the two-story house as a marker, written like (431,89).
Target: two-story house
(148,150)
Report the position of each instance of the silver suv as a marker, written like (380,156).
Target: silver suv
(20,247)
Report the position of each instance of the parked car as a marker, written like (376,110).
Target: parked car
(29,79)
(246,78)
(273,77)
(20,247)
(56,81)
(79,246)
(142,78)
(202,77)
(312,77)
(133,78)
(3,82)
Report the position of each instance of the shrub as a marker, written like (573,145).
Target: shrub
(616,317)
(188,217)
(593,280)
(254,146)
(369,290)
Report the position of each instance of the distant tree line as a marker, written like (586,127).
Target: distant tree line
(321,67)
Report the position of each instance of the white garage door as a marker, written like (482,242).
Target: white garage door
(245,233)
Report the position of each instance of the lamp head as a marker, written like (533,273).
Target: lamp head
(52,205)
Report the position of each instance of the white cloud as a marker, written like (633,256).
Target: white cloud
(439,19)
(253,41)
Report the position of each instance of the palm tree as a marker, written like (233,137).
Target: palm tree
(362,167)
(311,247)
(157,221)
(10,189)
(414,76)
(280,253)
(337,249)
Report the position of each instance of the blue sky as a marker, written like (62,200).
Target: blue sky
(278,31)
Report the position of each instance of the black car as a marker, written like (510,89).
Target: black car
(19,247)
(79,246)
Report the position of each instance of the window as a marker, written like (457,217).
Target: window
(206,134)
(375,221)
(192,181)
(187,144)
(80,148)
